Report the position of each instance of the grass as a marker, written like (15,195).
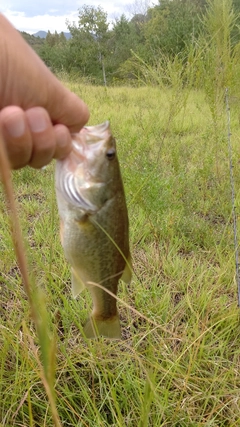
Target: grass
(178,363)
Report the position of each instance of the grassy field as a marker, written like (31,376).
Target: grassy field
(179,361)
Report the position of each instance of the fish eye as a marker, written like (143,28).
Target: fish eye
(110,154)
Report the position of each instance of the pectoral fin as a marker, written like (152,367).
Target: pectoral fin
(77,284)
(127,273)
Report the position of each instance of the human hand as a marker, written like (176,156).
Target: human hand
(37,113)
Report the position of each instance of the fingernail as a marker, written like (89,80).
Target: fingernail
(15,125)
(37,121)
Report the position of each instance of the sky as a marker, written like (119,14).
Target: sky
(32,16)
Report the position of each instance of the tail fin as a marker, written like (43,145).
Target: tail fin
(109,328)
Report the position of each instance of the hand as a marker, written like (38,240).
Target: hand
(37,113)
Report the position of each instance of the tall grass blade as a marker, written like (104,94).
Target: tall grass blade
(38,310)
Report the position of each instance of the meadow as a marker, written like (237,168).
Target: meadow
(178,363)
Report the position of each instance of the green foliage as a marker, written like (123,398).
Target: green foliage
(93,20)
(35,42)
(89,40)
(217,60)
(202,35)
(177,363)
(55,50)
(125,37)
(56,39)
(172,26)
(55,59)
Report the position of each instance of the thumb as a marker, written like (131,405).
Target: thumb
(65,107)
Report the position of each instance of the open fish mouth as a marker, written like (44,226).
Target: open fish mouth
(97,128)
(94,134)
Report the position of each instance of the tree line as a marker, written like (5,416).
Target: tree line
(189,32)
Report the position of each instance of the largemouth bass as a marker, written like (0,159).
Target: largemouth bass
(94,224)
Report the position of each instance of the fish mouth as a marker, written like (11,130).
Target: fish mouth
(97,128)
(90,135)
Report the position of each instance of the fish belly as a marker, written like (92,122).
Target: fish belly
(95,259)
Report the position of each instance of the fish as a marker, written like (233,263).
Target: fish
(94,225)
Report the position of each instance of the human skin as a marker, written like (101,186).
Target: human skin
(37,113)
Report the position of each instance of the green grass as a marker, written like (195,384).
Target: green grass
(179,361)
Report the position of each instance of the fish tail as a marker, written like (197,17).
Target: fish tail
(109,328)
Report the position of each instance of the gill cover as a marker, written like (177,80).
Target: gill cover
(76,176)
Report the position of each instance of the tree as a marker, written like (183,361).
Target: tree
(55,39)
(217,59)
(89,40)
(125,37)
(54,52)
(35,42)
(173,25)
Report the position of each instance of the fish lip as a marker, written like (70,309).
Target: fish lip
(98,132)
(98,128)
